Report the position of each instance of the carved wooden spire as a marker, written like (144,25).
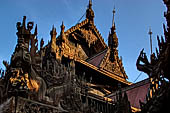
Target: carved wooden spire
(24,21)
(53,34)
(53,31)
(62,27)
(62,34)
(113,40)
(34,45)
(90,12)
(150,34)
(113,21)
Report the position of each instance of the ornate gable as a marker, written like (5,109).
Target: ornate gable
(108,59)
(85,37)
(84,42)
(103,62)
(115,67)
(88,39)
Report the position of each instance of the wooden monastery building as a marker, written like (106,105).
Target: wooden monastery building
(77,72)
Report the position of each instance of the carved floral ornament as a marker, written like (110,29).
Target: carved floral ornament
(88,36)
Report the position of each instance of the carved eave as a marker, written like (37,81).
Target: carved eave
(74,28)
(104,72)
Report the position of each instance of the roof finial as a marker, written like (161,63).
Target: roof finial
(150,34)
(89,11)
(23,23)
(53,31)
(62,28)
(90,4)
(53,27)
(113,22)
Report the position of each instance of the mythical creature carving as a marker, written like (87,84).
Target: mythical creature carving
(20,74)
(146,66)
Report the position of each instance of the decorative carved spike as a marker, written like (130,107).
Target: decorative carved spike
(23,22)
(36,42)
(41,43)
(159,43)
(34,47)
(157,52)
(35,32)
(162,40)
(62,26)
(158,40)
(165,32)
(6,64)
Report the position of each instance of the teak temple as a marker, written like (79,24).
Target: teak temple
(77,72)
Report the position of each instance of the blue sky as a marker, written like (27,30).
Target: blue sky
(133,19)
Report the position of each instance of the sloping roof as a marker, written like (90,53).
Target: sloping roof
(104,72)
(138,92)
(135,92)
(97,59)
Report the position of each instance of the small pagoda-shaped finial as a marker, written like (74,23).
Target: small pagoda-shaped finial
(53,34)
(63,38)
(90,4)
(53,31)
(90,12)
(113,40)
(62,27)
